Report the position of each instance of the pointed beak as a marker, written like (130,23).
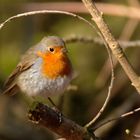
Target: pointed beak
(61,49)
(64,50)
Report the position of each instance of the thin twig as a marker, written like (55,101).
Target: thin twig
(91,123)
(107,8)
(86,39)
(136,136)
(117,118)
(124,107)
(97,17)
(46,12)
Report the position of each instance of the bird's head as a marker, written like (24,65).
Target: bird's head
(54,56)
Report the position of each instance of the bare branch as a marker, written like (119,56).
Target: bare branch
(46,12)
(136,136)
(86,39)
(117,118)
(131,24)
(109,9)
(112,43)
(44,115)
(91,123)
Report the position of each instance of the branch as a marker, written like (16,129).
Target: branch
(44,115)
(85,39)
(117,118)
(136,136)
(91,123)
(40,12)
(112,43)
(131,24)
(77,7)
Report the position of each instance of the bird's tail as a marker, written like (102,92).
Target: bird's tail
(10,90)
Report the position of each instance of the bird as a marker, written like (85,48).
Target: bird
(44,70)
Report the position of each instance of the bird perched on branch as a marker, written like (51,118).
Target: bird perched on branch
(44,70)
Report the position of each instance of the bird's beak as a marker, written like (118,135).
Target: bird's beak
(61,50)
(64,50)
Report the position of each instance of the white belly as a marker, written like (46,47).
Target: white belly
(33,83)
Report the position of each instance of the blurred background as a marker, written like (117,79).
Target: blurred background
(90,61)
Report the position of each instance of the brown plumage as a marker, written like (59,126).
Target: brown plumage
(27,60)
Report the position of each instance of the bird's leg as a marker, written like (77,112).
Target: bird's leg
(51,101)
(56,109)
(61,102)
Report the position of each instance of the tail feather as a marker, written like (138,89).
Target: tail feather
(11,90)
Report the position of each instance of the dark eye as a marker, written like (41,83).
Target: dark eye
(51,49)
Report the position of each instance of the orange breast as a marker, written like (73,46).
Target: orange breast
(56,65)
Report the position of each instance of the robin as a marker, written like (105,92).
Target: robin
(44,70)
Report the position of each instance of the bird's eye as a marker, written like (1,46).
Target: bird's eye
(51,49)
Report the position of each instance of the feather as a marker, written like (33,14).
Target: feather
(27,60)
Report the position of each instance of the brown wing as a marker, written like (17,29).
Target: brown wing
(27,60)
